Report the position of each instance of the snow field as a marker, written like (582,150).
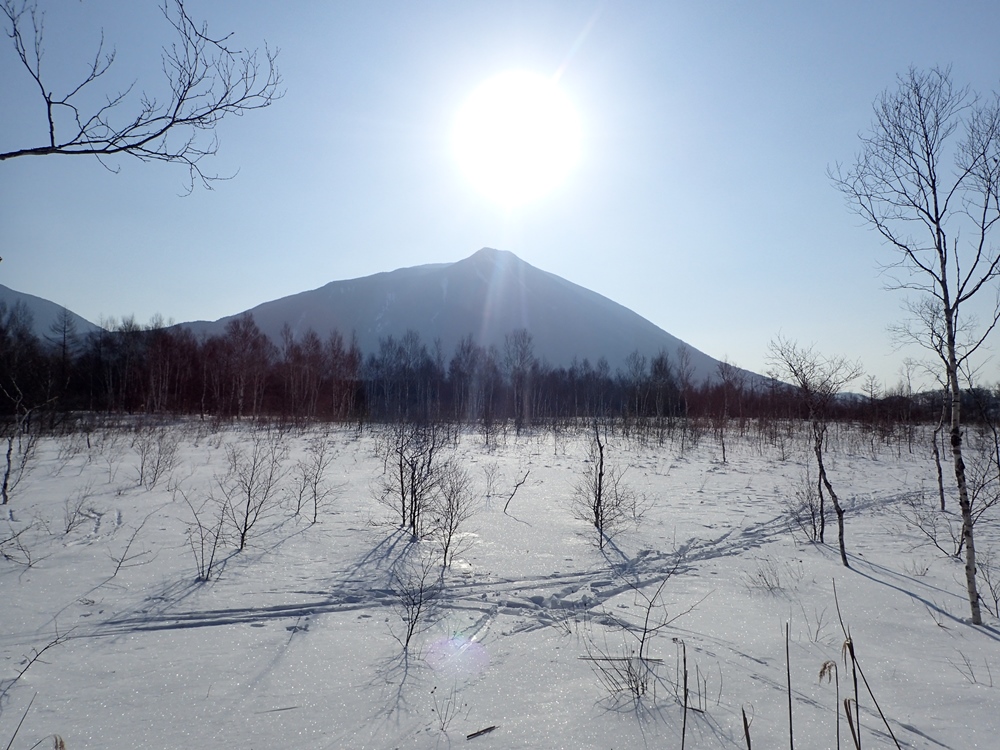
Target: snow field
(296,641)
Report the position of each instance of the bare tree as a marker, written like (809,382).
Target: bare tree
(206,80)
(927,179)
(602,497)
(685,382)
(256,468)
(453,507)
(519,359)
(630,672)
(156,449)
(310,484)
(24,386)
(636,383)
(416,585)
(413,470)
(462,371)
(19,442)
(205,533)
(249,355)
(819,381)
(64,340)
(732,381)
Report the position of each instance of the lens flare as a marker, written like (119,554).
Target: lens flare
(457,657)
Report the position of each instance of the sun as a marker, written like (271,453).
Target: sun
(517,137)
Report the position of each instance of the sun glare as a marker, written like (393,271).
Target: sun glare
(517,137)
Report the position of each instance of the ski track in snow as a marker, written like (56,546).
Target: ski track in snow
(533,576)
(548,594)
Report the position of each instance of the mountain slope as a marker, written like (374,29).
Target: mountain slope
(44,313)
(488,295)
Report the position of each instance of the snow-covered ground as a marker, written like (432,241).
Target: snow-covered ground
(296,640)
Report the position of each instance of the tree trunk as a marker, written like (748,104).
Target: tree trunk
(821,475)
(840,516)
(963,495)
(599,489)
(822,503)
(937,451)
(818,431)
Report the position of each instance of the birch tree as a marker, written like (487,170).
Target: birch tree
(819,381)
(927,180)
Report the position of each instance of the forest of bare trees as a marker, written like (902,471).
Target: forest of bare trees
(134,369)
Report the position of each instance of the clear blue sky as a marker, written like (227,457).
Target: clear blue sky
(700,200)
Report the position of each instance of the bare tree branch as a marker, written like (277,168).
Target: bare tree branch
(207,80)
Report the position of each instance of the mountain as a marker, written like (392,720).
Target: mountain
(44,314)
(489,295)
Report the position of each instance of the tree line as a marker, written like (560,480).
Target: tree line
(128,368)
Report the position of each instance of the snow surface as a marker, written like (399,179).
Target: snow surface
(294,644)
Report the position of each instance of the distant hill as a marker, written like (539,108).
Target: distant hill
(489,295)
(43,312)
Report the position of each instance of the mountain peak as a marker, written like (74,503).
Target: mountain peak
(492,255)
(487,295)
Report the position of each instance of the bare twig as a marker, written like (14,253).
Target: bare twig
(788,674)
(856,665)
(36,654)
(18,727)
(480,733)
(514,491)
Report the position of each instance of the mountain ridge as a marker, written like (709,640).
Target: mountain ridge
(487,295)
(44,313)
